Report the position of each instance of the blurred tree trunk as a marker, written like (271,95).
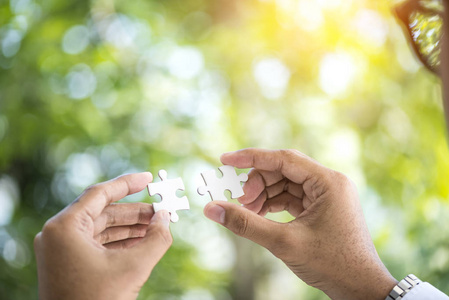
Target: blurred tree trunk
(243,285)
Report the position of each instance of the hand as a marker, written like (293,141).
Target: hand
(327,245)
(97,250)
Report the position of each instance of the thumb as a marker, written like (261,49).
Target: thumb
(156,241)
(247,224)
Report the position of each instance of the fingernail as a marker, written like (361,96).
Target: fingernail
(149,174)
(226,154)
(164,217)
(216,213)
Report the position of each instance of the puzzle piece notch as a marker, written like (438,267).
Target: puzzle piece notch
(167,188)
(217,186)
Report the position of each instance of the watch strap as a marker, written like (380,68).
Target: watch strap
(403,287)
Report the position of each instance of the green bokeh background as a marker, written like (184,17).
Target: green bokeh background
(90,90)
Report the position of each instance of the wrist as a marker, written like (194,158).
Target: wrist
(369,283)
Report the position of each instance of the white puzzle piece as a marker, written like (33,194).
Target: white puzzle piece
(217,186)
(167,188)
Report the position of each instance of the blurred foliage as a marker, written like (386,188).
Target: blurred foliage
(92,90)
(422,21)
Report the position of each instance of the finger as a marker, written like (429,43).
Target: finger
(97,197)
(258,180)
(290,163)
(119,233)
(271,193)
(277,188)
(257,204)
(120,214)
(253,187)
(271,177)
(156,242)
(284,201)
(295,189)
(247,224)
(125,244)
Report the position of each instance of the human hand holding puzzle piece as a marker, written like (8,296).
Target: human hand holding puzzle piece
(216,187)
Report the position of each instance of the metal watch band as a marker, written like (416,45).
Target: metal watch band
(403,287)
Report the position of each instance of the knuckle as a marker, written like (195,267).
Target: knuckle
(340,177)
(290,153)
(111,219)
(82,221)
(104,237)
(51,228)
(37,240)
(49,225)
(251,150)
(133,232)
(343,182)
(97,189)
(144,214)
(285,152)
(93,188)
(58,224)
(139,231)
(289,156)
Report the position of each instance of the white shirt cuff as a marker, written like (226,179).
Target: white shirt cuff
(425,291)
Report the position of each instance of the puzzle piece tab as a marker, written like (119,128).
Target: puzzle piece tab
(216,186)
(167,188)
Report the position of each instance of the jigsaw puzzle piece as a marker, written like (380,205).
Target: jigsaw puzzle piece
(172,207)
(233,181)
(217,186)
(167,189)
(213,186)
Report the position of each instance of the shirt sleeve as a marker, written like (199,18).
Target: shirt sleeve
(425,291)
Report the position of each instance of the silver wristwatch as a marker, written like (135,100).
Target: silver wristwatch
(403,287)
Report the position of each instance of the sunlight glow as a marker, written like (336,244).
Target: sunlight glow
(83,169)
(121,31)
(337,71)
(75,40)
(185,62)
(329,4)
(345,146)
(309,15)
(273,76)
(81,82)
(16,253)
(9,194)
(11,42)
(371,27)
